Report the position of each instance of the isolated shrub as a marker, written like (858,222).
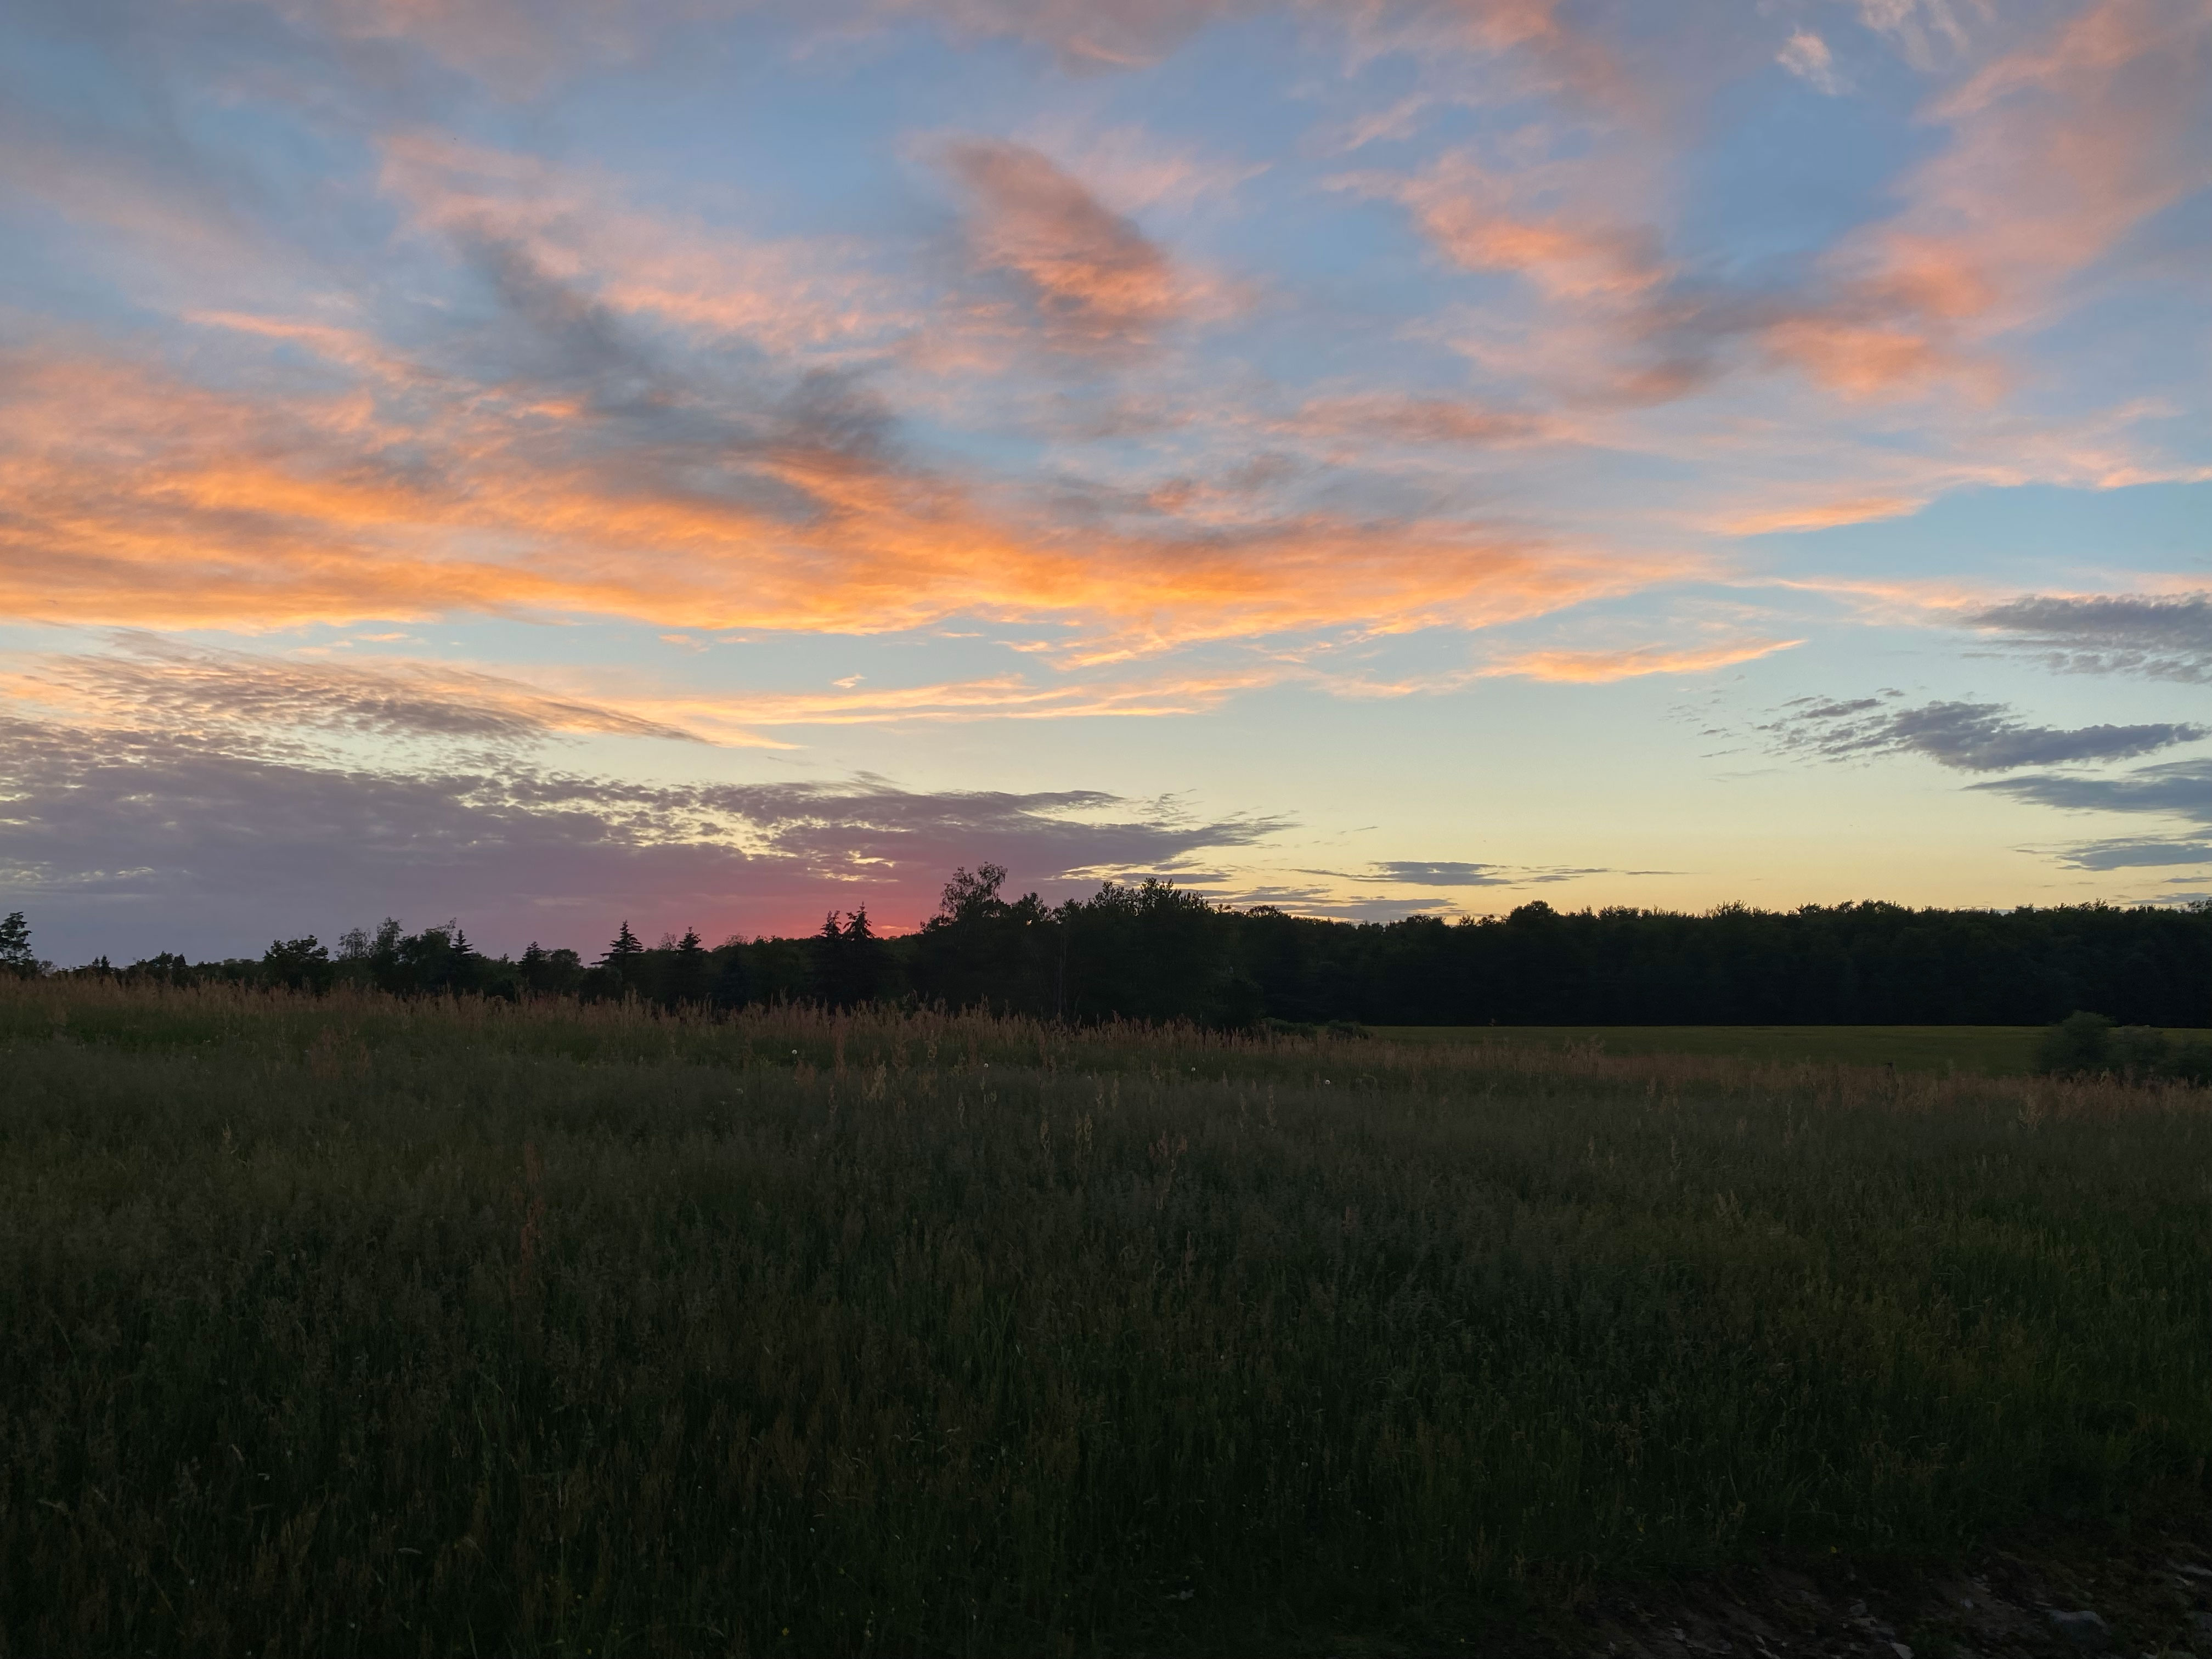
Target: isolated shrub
(2140,1051)
(2085,1044)
(298,965)
(2081,1042)
(2191,1063)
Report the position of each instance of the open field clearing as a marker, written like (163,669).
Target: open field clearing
(1995,1050)
(349,1326)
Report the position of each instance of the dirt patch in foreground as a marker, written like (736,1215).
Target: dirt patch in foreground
(2147,1593)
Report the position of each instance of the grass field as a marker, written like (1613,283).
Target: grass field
(1993,1050)
(351,1326)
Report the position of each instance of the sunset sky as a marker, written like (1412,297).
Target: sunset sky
(543,463)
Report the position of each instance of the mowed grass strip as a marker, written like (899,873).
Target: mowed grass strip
(350,1327)
(1994,1050)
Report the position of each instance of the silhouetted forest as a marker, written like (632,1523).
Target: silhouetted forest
(1155,952)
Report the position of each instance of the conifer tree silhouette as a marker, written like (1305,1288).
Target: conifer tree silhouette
(687,969)
(624,957)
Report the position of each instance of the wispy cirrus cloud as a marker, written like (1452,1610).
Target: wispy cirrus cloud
(161,682)
(1364,418)
(2060,147)
(1604,666)
(1807,56)
(1484,219)
(825,297)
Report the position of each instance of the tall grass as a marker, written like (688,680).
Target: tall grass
(356,1326)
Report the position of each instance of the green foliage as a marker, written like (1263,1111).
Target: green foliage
(541,972)
(623,956)
(688,970)
(356,1325)
(850,966)
(1154,951)
(298,965)
(2084,1044)
(15,955)
(1995,1049)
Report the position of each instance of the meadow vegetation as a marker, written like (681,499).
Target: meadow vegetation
(2084,1044)
(351,1324)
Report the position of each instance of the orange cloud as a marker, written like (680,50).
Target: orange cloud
(1602,667)
(1545,52)
(1475,217)
(998,697)
(1094,281)
(138,499)
(1396,418)
(1097,35)
(2059,149)
(1826,516)
(577,225)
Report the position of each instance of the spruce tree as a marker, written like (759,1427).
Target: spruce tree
(624,957)
(687,971)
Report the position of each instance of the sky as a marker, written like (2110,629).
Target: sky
(546,463)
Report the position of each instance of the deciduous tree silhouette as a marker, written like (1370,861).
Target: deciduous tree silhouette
(733,985)
(299,964)
(15,955)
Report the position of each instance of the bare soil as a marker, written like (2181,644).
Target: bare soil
(2149,1590)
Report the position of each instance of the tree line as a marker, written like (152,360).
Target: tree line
(1153,952)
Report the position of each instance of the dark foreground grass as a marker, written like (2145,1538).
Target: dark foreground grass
(347,1328)
(1994,1050)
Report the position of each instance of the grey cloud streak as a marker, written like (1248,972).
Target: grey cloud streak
(163,682)
(1419,873)
(2123,853)
(132,841)
(1966,737)
(2165,637)
(2180,789)
(2174,789)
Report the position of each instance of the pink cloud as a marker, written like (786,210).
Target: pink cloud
(2058,150)
(1093,281)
